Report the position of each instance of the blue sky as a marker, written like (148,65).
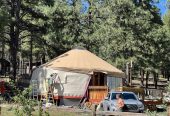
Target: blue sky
(162,6)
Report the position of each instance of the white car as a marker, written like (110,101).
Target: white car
(132,103)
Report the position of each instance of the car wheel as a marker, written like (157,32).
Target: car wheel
(141,111)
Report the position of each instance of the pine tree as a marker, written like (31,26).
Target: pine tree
(20,24)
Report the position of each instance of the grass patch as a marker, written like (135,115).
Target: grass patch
(156,113)
(162,114)
(10,112)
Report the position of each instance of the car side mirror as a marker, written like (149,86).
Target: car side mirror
(106,98)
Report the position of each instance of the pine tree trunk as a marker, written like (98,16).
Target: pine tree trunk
(14,34)
(31,47)
(12,45)
(155,79)
(3,50)
(168,75)
(142,72)
(43,59)
(163,73)
(147,77)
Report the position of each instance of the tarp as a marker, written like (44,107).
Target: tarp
(69,84)
(83,61)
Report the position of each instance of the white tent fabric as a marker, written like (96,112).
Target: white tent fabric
(73,69)
(70,84)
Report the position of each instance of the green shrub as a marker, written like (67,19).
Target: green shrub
(25,105)
(150,113)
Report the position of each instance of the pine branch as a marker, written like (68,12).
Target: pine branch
(33,12)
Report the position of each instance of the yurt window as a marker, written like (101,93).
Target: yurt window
(98,79)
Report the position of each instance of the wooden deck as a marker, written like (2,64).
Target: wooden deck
(97,93)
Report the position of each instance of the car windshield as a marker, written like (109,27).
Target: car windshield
(125,96)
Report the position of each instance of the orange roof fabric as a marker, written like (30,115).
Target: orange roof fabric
(80,60)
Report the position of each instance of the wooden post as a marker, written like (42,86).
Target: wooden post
(168,110)
(127,73)
(40,111)
(130,76)
(130,73)
(0,107)
(94,109)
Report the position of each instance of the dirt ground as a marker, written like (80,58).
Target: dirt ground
(9,111)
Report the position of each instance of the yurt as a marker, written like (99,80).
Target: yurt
(77,74)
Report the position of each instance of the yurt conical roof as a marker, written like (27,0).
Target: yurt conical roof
(81,60)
